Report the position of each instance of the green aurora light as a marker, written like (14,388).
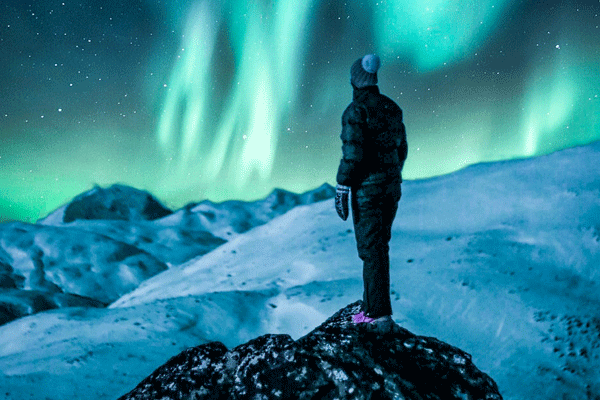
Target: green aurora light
(248,96)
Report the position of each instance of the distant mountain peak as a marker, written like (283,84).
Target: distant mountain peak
(117,202)
(337,360)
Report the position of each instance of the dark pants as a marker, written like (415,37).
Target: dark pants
(373,210)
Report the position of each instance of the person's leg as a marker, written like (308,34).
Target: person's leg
(373,213)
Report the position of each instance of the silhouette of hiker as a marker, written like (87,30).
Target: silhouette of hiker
(374,150)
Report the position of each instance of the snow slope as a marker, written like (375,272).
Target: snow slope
(88,264)
(499,259)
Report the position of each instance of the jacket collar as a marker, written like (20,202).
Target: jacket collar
(360,94)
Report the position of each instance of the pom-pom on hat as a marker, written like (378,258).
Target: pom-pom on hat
(364,71)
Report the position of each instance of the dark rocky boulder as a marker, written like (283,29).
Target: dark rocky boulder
(337,360)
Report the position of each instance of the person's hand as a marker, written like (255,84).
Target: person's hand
(341,201)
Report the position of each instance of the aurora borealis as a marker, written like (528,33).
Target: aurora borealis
(229,99)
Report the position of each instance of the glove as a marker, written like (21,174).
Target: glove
(341,201)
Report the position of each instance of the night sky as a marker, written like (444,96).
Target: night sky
(220,100)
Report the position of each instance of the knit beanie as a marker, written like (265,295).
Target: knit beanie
(364,71)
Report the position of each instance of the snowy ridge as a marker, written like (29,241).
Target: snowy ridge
(499,259)
(230,218)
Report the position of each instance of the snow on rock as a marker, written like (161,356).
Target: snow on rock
(337,360)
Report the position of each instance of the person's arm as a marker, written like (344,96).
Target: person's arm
(353,121)
(401,141)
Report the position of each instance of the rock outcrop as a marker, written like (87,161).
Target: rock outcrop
(337,360)
(118,202)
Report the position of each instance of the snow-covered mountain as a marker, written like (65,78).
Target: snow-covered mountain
(105,242)
(499,259)
(118,202)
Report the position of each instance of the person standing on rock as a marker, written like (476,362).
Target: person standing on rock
(374,149)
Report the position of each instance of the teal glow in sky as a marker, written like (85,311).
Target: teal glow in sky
(230,99)
(434,33)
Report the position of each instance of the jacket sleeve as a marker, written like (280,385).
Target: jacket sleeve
(401,140)
(353,123)
(402,149)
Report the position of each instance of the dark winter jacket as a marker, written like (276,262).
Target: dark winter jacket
(374,140)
